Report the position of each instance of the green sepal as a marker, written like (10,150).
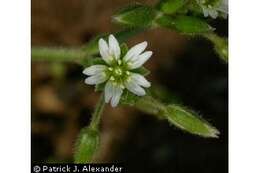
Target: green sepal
(171,6)
(165,21)
(86,145)
(136,15)
(128,98)
(124,49)
(93,61)
(100,87)
(191,25)
(142,70)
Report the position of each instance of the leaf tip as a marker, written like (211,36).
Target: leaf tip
(214,133)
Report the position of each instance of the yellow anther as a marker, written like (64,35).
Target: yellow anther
(112,78)
(118,71)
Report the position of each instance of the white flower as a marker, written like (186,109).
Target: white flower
(118,71)
(213,8)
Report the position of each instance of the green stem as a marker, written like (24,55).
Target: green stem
(97,113)
(57,54)
(150,105)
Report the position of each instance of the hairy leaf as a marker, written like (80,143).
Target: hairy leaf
(177,115)
(171,6)
(188,24)
(220,45)
(189,121)
(136,15)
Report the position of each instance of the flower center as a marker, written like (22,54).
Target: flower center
(118,72)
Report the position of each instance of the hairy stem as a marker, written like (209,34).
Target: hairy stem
(97,113)
(57,54)
(149,105)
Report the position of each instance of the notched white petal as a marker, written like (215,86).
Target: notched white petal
(117,92)
(140,80)
(94,69)
(223,7)
(104,50)
(205,12)
(96,79)
(213,13)
(108,91)
(114,47)
(135,51)
(141,60)
(134,88)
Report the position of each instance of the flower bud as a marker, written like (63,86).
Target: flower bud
(86,145)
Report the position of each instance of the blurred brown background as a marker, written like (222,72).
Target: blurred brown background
(62,103)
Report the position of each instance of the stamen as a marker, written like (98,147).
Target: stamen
(129,64)
(118,71)
(112,78)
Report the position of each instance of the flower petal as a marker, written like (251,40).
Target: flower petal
(140,80)
(104,51)
(140,60)
(213,13)
(117,92)
(94,69)
(134,88)
(108,91)
(135,51)
(114,47)
(96,79)
(223,7)
(205,11)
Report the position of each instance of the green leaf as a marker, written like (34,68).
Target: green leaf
(86,145)
(184,24)
(171,6)
(165,21)
(220,45)
(142,70)
(92,47)
(189,121)
(136,15)
(177,115)
(188,24)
